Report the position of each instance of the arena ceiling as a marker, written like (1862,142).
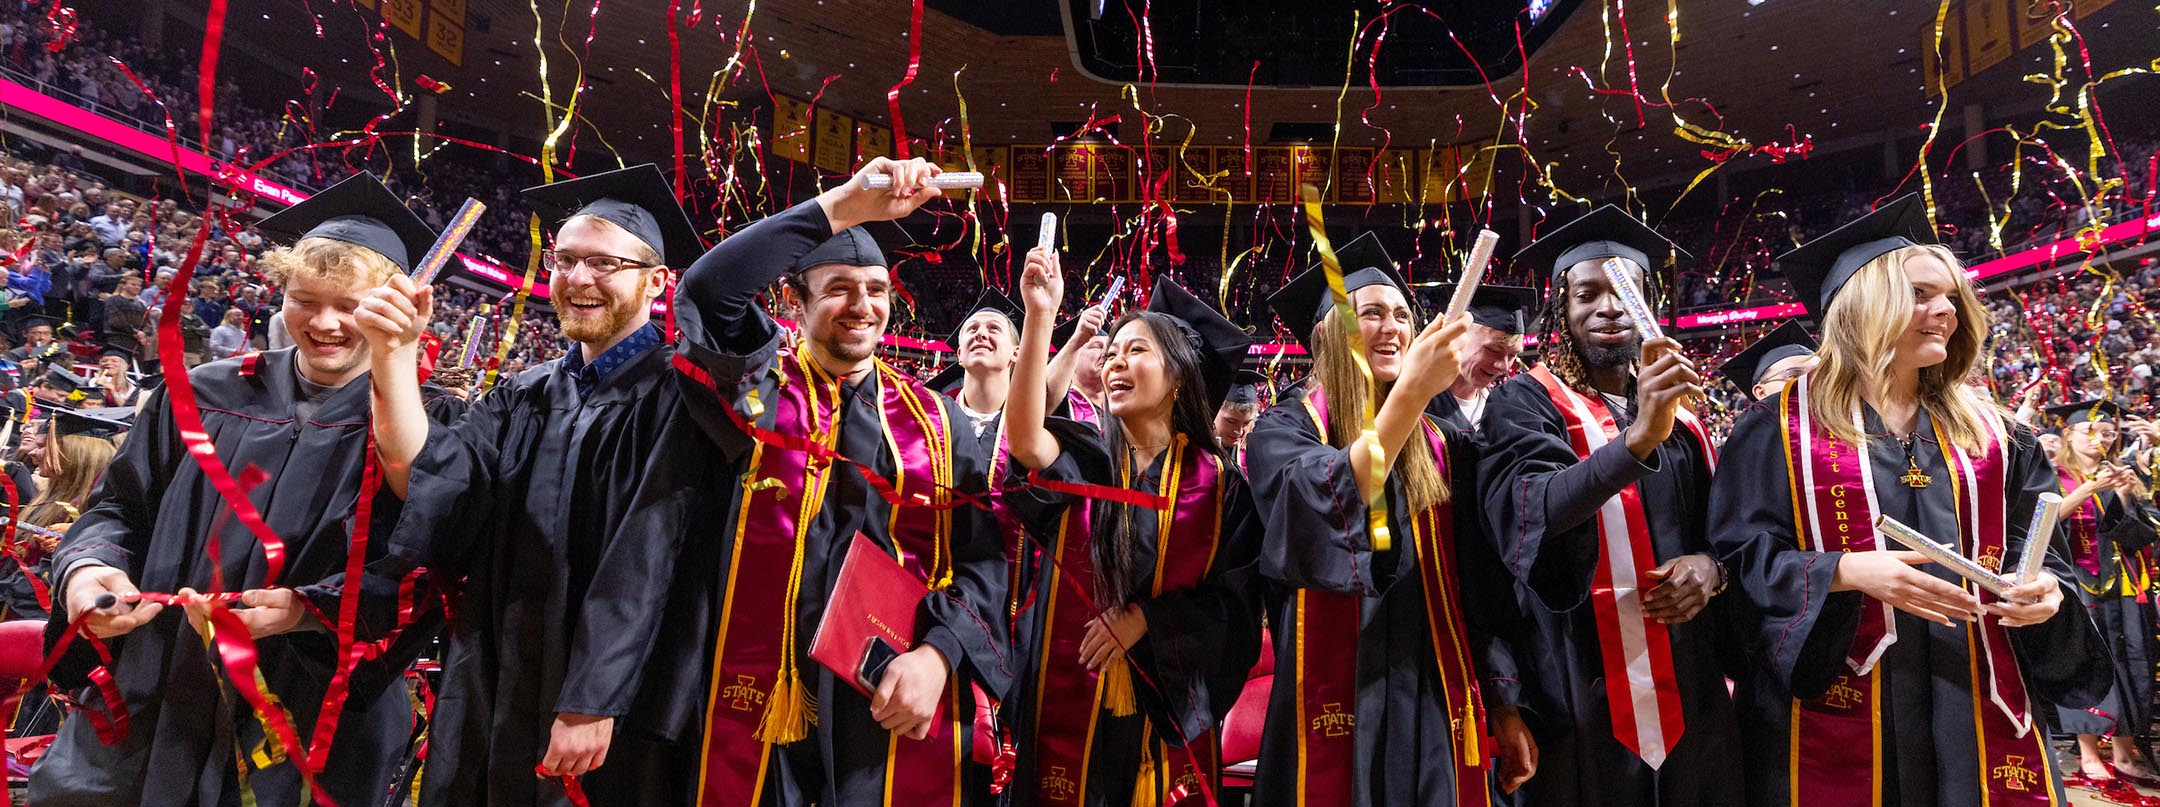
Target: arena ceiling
(1838,72)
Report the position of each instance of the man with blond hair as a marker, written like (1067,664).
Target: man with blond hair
(158,524)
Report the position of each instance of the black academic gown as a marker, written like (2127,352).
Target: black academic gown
(148,517)
(1316,537)
(841,763)
(565,515)
(1930,755)
(2122,612)
(1200,644)
(1541,502)
(442,405)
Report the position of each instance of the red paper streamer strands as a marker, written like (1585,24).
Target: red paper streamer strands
(206,78)
(914,64)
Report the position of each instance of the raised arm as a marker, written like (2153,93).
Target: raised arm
(1065,364)
(392,317)
(1042,288)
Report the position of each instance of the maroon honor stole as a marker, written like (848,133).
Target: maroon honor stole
(1069,698)
(2083,524)
(1836,737)
(1328,628)
(758,697)
(1641,687)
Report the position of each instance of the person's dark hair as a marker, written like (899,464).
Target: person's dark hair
(1114,525)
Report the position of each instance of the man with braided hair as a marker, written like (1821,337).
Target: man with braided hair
(1594,479)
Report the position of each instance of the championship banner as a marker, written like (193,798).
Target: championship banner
(833,149)
(790,137)
(446,36)
(871,141)
(404,15)
(1030,174)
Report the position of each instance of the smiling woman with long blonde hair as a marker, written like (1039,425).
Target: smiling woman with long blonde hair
(1879,677)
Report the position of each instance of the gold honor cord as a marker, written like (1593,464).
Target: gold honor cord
(1376,508)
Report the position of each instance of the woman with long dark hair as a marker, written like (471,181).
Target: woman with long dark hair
(1879,677)
(1144,621)
(1384,651)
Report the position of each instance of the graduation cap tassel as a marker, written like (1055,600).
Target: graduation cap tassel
(1118,689)
(1145,789)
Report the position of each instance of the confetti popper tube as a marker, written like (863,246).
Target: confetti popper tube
(1631,298)
(2038,536)
(1117,284)
(1473,272)
(951,180)
(1047,238)
(431,264)
(1937,552)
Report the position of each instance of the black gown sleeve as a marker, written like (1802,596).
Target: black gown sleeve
(1491,613)
(2064,660)
(1783,609)
(1307,495)
(116,528)
(2128,524)
(716,304)
(965,621)
(1541,498)
(450,494)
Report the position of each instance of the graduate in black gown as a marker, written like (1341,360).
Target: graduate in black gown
(2106,530)
(301,416)
(1763,367)
(557,511)
(781,728)
(1877,677)
(1499,316)
(1145,618)
(1594,481)
(1239,411)
(1386,691)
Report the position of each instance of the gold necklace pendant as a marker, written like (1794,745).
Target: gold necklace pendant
(1913,478)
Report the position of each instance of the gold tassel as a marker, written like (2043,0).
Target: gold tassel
(1118,689)
(786,711)
(1146,792)
(1472,754)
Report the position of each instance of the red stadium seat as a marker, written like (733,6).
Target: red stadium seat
(22,647)
(1241,728)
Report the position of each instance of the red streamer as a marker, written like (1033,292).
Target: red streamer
(914,64)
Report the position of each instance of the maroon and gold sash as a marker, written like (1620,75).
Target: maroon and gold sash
(757,696)
(1070,698)
(1328,629)
(1837,738)
(2083,524)
(1641,685)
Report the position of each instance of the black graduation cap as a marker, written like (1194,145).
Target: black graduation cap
(2086,411)
(1223,345)
(1746,368)
(100,422)
(25,323)
(1506,309)
(59,378)
(990,300)
(638,199)
(850,247)
(1819,268)
(948,380)
(1607,232)
(116,350)
(1305,300)
(357,211)
(1245,388)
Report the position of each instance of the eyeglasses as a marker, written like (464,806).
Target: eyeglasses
(602,266)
